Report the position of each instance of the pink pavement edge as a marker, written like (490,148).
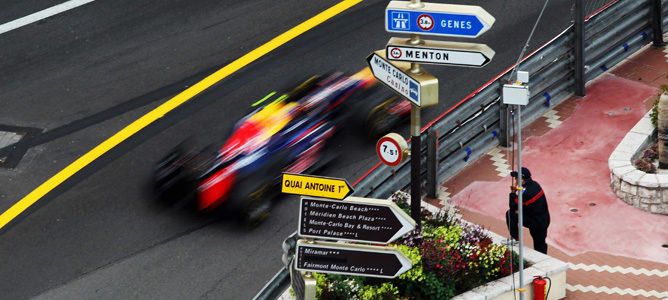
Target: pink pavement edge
(571,164)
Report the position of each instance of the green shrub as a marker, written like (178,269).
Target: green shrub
(654,115)
(373,292)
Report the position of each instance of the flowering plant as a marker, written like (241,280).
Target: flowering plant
(449,257)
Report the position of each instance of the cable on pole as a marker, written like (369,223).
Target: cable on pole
(526,45)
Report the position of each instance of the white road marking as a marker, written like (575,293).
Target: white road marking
(552,118)
(606,268)
(500,162)
(42,14)
(616,290)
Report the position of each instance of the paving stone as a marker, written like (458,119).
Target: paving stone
(649,196)
(644,127)
(620,194)
(648,180)
(633,177)
(616,184)
(662,179)
(627,148)
(619,155)
(469,296)
(529,273)
(659,209)
(551,266)
(492,289)
(618,163)
(629,188)
(621,171)
(633,138)
(534,256)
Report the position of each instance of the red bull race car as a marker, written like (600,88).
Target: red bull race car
(284,133)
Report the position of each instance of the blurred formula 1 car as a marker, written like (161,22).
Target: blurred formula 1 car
(287,134)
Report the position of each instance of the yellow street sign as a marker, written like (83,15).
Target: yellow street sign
(316,186)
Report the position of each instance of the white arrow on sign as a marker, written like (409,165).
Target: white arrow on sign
(440,52)
(421,89)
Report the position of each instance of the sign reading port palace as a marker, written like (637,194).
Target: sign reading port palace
(354,219)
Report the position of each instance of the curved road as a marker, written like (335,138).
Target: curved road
(81,76)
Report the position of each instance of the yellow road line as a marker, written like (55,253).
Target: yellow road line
(166,107)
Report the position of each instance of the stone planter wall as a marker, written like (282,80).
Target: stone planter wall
(646,191)
(541,265)
(506,287)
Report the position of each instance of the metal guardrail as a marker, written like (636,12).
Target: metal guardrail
(470,130)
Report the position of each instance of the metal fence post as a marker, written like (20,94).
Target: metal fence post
(432,163)
(504,136)
(579,68)
(504,113)
(657,24)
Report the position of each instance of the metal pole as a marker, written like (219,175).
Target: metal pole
(579,69)
(520,223)
(504,130)
(657,24)
(432,163)
(416,193)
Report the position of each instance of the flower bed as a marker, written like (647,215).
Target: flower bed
(449,257)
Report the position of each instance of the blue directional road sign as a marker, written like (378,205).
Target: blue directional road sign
(467,21)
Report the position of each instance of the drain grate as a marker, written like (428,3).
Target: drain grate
(13,144)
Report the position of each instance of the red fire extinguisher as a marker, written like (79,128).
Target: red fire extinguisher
(539,284)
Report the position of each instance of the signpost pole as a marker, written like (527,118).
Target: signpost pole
(416,191)
(416,194)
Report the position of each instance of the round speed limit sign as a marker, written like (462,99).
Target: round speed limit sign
(425,22)
(391,149)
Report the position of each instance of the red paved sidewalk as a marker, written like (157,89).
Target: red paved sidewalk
(615,250)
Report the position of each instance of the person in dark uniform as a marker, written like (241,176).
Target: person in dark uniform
(535,213)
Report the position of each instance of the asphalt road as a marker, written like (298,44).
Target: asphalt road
(83,75)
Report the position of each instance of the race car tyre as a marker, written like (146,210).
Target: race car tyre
(380,121)
(173,184)
(252,198)
(258,207)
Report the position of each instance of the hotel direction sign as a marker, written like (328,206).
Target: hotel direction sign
(351,259)
(354,219)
